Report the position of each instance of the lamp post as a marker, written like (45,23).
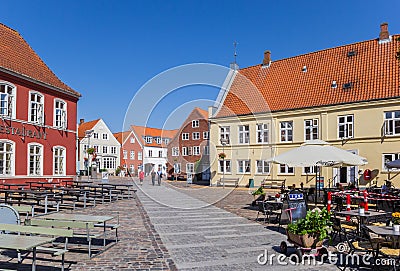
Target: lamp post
(223,141)
(88,134)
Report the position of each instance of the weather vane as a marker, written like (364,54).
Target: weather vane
(234,53)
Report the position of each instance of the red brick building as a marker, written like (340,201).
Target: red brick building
(38,116)
(188,152)
(131,151)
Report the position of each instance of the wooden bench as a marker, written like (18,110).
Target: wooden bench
(273,183)
(228,182)
(53,251)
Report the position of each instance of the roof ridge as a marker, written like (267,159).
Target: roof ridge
(6,26)
(318,51)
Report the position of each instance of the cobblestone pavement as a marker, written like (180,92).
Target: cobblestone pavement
(200,236)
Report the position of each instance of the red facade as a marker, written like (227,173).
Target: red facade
(131,151)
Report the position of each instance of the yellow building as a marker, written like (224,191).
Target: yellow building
(348,96)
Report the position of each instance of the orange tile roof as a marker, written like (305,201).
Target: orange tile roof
(142,131)
(373,72)
(17,56)
(121,136)
(86,126)
(203,113)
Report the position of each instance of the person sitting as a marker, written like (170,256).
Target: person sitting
(339,186)
(386,187)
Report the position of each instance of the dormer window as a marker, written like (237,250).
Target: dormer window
(304,69)
(334,84)
(348,85)
(351,53)
(158,140)
(148,139)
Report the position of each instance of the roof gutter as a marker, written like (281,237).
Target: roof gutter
(30,79)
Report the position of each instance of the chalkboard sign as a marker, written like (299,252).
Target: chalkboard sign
(297,204)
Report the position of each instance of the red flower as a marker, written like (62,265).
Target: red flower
(277,195)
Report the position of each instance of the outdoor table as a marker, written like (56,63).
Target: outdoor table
(82,218)
(386,231)
(362,218)
(75,192)
(24,193)
(24,242)
(17,185)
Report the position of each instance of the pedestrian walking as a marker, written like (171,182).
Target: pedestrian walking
(153,177)
(159,173)
(141,177)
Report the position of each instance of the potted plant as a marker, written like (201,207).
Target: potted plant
(396,221)
(90,150)
(222,155)
(312,230)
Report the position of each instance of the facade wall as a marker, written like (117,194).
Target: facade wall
(367,141)
(22,132)
(131,163)
(154,158)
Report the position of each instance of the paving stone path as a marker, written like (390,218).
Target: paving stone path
(199,236)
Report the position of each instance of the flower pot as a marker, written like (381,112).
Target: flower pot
(396,228)
(306,241)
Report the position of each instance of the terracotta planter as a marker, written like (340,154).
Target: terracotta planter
(306,241)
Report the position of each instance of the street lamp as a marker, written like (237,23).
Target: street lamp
(223,141)
(88,134)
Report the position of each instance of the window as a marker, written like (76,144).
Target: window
(225,166)
(177,168)
(105,136)
(132,155)
(195,123)
(96,135)
(7,100)
(109,162)
(206,135)
(283,169)
(60,114)
(262,133)
(113,150)
(175,151)
(105,149)
(132,169)
(196,136)
(148,139)
(35,160)
(345,126)
(96,148)
(158,140)
(392,123)
(225,134)
(132,140)
(387,157)
(166,141)
(262,166)
(243,166)
(206,150)
(160,154)
(184,151)
(150,153)
(185,136)
(36,108)
(309,170)
(190,149)
(286,131)
(196,150)
(6,158)
(125,154)
(139,155)
(311,129)
(244,134)
(59,160)
(85,147)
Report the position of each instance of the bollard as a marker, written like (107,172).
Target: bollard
(348,201)
(365,200)
(329,201)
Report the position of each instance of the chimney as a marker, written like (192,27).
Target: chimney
(267,58)
(384,34)
(81,121)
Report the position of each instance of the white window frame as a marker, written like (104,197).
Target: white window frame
(63,163)
(96,148)
(104,149)
(132,140)
(132,169)
(195,135)
(109,162)
(225,132)
(196,150)
(286,170)
(132,155)
(113,150)
(160,154)
(262,133)
(177,168)
(392,122)
(37,116)
(40,161)
(195,123)
(60,114)
(11,154)
(206,135)
(244,134)
(394,156)
(148,139)
(225,164)
(308,170)
(265,167)
(105,136)
(244,166)
(311,128)
(185,136)
(96,135)
(348,126)
(286,131)
(9,96)
(150,153)
(206,150)
(184,151)
(125,154)
(175,151)
(158,140)
(140,155)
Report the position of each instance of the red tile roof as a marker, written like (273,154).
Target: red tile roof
(82,128)
(18,57)
(142,131)
(202,112)
(121,136)
(373,72)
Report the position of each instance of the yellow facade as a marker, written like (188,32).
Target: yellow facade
(367,141)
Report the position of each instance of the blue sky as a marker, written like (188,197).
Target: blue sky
(108,50)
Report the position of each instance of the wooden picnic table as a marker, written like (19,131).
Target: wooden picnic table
(36,195)
(24,243)
(17,185)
